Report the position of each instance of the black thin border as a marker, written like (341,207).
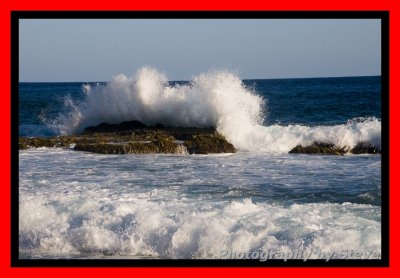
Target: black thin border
(17,15)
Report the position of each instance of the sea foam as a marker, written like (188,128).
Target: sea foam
(216,98)
(186,229)
(186,207)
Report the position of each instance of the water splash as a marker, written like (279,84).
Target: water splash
(216,98)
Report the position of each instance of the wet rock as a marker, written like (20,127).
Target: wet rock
(209,143)
(134,137)
(162,147)
(365,147)
(36,142)
(22,145)
(319,148)
(105,127)
(51,142)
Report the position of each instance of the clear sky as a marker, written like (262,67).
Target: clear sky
(97,50)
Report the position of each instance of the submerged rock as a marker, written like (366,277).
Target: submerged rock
(319,148)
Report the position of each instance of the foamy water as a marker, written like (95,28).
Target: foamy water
(75,204)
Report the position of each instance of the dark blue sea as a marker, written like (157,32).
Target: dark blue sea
(258,200)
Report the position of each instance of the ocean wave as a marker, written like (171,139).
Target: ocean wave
(182,230)
(218,99)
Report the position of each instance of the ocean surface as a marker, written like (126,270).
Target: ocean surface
(260,199)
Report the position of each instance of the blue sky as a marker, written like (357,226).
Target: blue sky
(97,50)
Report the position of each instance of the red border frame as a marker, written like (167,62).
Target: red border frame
(306,5)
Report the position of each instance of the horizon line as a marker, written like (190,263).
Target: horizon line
(244,79)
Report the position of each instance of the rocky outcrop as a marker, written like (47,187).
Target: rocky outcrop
(136,138)
(105,127)
(365,147)
(129,148)
(331,149)
(209,143)
(319,148)
(36,142)
(165,145)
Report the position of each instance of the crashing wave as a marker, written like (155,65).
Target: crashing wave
(218,99)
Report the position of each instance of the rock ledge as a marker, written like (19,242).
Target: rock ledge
(134,137)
